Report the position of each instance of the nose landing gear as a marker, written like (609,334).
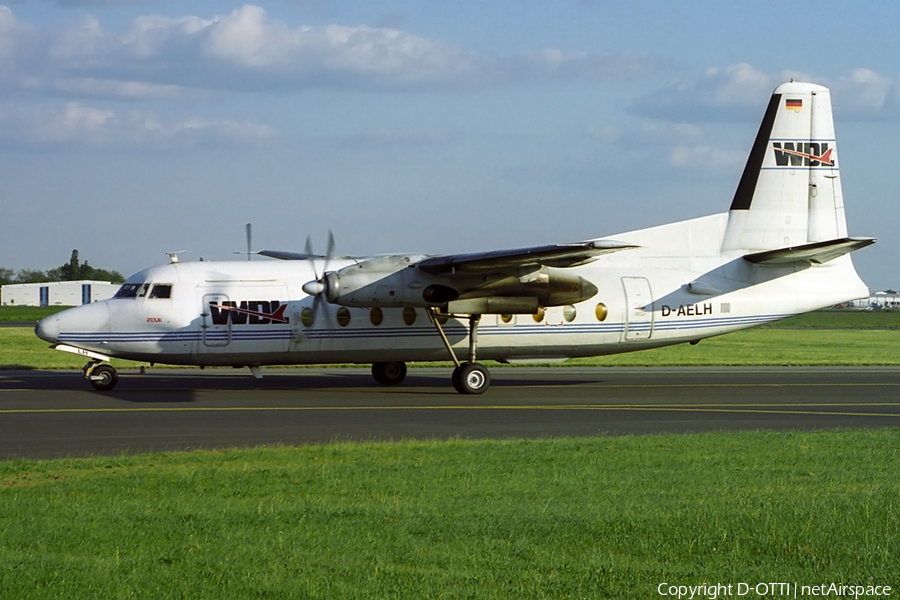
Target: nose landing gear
(102,376)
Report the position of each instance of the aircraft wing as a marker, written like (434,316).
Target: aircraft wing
(815,252)
(556,255)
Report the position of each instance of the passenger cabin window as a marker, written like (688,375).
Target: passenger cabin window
(128,290)
(161,290)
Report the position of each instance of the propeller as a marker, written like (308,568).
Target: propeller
(317,288)
(249,229)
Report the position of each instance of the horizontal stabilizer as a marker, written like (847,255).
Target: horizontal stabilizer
(815,252)
(557,255)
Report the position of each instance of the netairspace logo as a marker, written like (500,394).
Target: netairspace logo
(712,591)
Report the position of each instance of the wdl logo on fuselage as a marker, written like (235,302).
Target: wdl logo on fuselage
(248,312)
(803,154)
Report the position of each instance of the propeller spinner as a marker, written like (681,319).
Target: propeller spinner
(318,288)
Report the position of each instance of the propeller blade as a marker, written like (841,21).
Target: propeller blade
(330,251)
(316,287)
(249,235)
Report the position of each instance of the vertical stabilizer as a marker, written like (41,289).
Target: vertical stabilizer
(790,191)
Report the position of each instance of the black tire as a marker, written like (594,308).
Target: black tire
(471,378)
(455,379)
(103,377)
(389,373)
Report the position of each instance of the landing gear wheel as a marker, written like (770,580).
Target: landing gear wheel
(103,377)
(471,378)
(389,373)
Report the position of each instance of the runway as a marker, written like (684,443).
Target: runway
(46,414)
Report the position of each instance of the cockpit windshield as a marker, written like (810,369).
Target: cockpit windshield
(140,290)
(161,290)
(129,290)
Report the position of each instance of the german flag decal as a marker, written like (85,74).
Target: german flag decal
(793,104)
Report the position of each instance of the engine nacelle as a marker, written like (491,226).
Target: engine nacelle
(383,282)
(551,287)
(394,281)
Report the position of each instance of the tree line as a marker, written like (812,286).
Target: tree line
(74,270)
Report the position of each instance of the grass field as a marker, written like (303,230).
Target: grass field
(27,313)
(571,518)
(563,518)
(823,338)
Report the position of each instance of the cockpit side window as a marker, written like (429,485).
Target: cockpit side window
(143,291)
(161,290)
(128,290)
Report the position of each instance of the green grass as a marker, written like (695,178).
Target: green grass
(570,518)
(841,319)
(21,349)
(28,313)
(769,347)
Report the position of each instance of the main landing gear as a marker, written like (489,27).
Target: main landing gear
(389,373)
(102,376)
(469,377)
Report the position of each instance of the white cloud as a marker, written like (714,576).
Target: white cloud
(678,145)
(245,50)
(738,91)
(87,87)
(78,124)
(720,93)
(16,42)
(554,63)
(866,94)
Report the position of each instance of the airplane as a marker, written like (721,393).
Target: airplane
(782,249)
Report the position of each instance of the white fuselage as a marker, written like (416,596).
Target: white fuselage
(677,286)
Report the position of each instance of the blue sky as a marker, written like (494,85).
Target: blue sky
(133,128)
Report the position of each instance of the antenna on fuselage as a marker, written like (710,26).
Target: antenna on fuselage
(173,256)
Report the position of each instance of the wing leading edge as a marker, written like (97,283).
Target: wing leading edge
(556,255)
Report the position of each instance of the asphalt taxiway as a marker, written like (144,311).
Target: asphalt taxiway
(48,414)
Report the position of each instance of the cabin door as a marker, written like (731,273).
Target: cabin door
(214,332)
(638,308)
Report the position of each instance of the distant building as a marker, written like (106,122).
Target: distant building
(56,293)
(888,299)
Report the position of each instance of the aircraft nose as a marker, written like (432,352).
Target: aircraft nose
(48,329)
(87,319)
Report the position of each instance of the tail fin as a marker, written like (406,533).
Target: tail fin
(790,192)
